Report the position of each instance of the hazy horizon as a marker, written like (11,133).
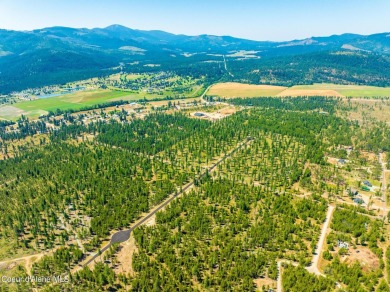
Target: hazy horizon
(255,20)
(90,28)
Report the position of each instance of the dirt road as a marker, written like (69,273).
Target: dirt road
(317,253)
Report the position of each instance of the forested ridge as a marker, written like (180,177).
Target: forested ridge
(316,67)
(58,55)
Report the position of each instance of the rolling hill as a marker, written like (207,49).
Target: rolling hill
(61,54)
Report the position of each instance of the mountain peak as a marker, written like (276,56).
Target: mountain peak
(117,27)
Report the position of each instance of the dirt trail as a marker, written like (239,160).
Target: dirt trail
(38,255)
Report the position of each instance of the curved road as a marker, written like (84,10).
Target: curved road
(124,235)
(205,92)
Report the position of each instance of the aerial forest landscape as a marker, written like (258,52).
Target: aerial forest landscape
(208,146)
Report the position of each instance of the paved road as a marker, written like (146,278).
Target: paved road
(384,197)
(124,235)
(205,92)
(314,265)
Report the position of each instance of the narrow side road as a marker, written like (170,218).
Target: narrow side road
(279,285)
(384,197)
(314,266)
(317,253)
(226,68)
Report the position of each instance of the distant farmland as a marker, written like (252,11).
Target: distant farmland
(78,100)
(73,101)
(232,89)
(337,90)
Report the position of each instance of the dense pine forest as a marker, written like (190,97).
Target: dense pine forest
(263,204)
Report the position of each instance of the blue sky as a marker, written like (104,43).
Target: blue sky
(254,19)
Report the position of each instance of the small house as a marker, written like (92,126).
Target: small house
(199,114)
(367,183)
(358,201)
(342,161)
(342,244)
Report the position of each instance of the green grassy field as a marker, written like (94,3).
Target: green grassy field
(74,101)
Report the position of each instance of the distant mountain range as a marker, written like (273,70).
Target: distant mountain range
(61,54)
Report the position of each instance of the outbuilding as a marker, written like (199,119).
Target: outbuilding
(367,183)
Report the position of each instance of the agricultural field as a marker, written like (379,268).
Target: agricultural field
(74,101)
(309,91)
(166,85)
(9,112)
(336,90)
(131,87)
(232,90)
